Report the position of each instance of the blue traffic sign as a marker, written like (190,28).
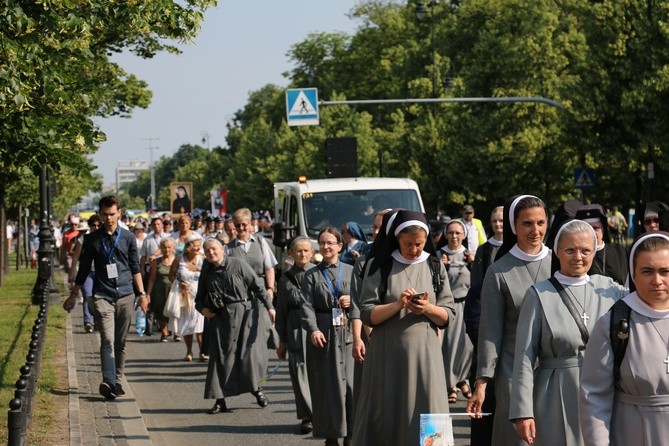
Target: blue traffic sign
(302,106)
(584,178)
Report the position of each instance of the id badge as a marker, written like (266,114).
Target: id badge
(112,272)
(337,317)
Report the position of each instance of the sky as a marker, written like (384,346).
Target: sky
(242,47)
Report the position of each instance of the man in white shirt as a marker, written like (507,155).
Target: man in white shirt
(475,233)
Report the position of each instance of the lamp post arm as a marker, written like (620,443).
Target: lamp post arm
(537,99)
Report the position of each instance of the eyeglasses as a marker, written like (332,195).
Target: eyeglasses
(585,252)
(651,221)
(327,244)
(241,225)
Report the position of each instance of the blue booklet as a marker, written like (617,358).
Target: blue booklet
(436,429)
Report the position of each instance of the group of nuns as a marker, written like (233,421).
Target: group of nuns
(544,355)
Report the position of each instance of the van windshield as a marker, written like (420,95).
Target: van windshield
(336,208)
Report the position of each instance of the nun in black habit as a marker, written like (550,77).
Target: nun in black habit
(610,259)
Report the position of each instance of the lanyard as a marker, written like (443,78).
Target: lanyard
(334,290)
(104,245)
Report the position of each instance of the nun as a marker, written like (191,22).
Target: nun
(610,259)
(355,242)
(632,409)
(226,290)
(486,253)
(403,374)
(481,428)
(522,261)
(647,217)
(326,317)
(457,349)
(555,320)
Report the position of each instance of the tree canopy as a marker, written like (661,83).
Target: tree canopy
(605,61)
(57,74)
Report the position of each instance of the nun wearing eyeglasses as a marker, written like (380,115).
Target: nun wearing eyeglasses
(648,217)
(555,320)
(456,346)
(326,318)
(403,374)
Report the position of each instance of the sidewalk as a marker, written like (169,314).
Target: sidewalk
(93,420)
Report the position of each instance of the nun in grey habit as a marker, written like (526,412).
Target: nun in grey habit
(403,373)
(522,261)
(550,341)
(237,345)
(634,410)
(326,318)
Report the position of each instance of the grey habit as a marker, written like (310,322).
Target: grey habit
(356,290)
(289,328)
(456,347)
(504,288)
(330,368)
(403,373)
(237,346)
(638,413)
(255,258)
(548,357)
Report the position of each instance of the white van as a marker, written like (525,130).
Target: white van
(305,207)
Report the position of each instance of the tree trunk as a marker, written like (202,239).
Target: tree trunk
(4,249)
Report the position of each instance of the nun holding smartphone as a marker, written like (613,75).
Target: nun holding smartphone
(403,374)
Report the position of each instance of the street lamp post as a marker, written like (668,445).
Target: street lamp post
(152,197)
(205,138)
(421,12)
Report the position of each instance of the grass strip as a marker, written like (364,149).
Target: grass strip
(17,316)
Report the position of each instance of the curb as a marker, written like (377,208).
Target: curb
(134,429)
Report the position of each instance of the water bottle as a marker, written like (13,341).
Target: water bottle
(140,321)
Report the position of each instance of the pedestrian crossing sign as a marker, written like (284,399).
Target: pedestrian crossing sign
(584,178)
(302,106)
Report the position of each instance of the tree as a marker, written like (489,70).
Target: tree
(56,73)
(604,61)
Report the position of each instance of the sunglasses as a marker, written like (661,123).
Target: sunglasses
(651,221)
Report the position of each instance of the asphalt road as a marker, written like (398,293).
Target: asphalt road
(169,392)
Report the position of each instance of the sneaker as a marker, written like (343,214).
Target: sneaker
(163,338)
(177,338)
(107,390)
(88,327)
(118,390)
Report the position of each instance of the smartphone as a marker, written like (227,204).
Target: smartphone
(416,297)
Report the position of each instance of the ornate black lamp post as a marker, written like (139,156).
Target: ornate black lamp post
(44,253)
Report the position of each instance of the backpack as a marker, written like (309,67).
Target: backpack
(619,333)
(435,265)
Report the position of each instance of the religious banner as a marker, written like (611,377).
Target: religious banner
(181,200)
(219,202)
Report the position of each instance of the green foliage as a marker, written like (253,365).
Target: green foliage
(605,61)
(56,76)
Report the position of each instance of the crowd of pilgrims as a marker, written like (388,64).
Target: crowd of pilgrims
(553,334)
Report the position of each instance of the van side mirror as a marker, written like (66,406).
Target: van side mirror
(279,235)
